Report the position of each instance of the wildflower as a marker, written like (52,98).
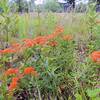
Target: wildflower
(15,79)
(53,43)
(41,40)
(29,42)
(67,37)
(59,29)
(11,71)
(29,70)
(14,83)
(8,51)
(57,32)
(13,86)
(95,56)
(50,36)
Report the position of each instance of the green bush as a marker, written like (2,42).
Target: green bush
(52,5)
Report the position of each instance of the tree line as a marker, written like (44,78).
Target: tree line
(50,5)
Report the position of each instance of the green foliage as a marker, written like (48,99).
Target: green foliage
(8,22)
(4,6)
(52,5)
(78,97)
(92,16)
(93,93)
(66,70)
(81,7)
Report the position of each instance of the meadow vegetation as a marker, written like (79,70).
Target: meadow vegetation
(49,56)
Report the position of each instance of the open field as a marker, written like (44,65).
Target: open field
(50,56)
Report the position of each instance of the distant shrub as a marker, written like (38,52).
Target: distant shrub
(52,5)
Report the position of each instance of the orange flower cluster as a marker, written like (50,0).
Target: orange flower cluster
(67,37)
(13,71)
(95,56)
(7,51)
(11,50)
(55,33)
(28,43)
(40,40)
(53,43)
(59,30)
(30,70)
(13,84)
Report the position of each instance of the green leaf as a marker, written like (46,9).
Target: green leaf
(1,97)
(78,96)
(93,93)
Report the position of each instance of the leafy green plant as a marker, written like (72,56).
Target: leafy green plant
(93,94)
(51,5)
(8,24)
(58,60)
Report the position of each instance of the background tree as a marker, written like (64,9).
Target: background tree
(98,1)
(32,5)
(52,5)
(22,5)
(72,2)
(19,4)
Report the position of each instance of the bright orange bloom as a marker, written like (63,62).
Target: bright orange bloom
(29,70)
(59,29)
(11,71)
(15,79)
(50,36)
(8,51)
(29,42)
(67,37)
(13,86)
(14,83)
(95,56)
(56,33)
(41,40)
(53,43)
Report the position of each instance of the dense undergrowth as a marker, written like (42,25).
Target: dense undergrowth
(49,56)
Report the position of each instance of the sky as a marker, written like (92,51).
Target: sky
(83,1)
(37,2)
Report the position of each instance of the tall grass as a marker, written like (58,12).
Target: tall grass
(63,65)
(32,24)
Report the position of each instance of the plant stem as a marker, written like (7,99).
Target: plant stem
(39,94)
